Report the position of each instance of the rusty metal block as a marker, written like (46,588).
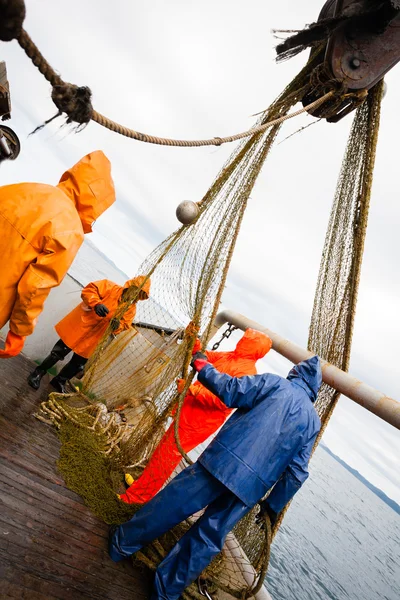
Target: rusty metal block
(361,53)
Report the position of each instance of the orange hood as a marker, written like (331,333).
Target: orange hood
(253,344)
(137,282)
(90,186)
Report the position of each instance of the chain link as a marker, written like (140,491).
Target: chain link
(227,333)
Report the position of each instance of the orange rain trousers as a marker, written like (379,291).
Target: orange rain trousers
(42,228)
(202,415)
(82,329)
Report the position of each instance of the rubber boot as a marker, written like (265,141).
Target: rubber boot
(35,378)
(72,368)
(59,384)
(37,375)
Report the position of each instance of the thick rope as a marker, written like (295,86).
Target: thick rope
(33,52)
(216,141)
(75,102)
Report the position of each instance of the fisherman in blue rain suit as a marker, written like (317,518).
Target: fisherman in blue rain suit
(268,440)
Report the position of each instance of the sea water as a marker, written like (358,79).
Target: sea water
(338,541)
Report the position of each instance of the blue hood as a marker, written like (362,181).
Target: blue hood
(307,375)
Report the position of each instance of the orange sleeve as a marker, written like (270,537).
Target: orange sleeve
(40,277)
(95,291)
(214,356)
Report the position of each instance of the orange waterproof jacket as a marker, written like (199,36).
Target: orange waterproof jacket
(205,407)
(42,228)
(82,329)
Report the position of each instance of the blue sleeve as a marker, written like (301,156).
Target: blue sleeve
(237,392)
(292,478)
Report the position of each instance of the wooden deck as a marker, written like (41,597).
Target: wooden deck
(51,546)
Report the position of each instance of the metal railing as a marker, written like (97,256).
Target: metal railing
(376,402)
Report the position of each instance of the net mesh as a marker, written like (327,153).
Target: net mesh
(128,401)
(335,298)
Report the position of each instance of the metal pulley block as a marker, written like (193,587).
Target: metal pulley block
(362,49)
(361,53)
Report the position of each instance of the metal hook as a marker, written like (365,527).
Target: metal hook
(203,589)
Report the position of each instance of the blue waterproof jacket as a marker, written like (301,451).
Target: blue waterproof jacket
(269,438)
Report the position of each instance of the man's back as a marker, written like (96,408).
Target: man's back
(33,218)
(275,422)
(42,229)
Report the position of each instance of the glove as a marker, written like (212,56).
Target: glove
(199,361)
(265,509)
(196,347)
(115,323)
(101,310)
(13,345)
(180,384)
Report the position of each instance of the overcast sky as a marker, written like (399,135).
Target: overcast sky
(189,69)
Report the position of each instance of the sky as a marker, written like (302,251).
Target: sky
(193,70)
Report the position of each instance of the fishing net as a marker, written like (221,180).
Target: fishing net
(335,299)
(129,400)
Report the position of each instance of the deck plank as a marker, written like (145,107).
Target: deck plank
(51,545)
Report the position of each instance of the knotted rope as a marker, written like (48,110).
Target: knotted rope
(75,102)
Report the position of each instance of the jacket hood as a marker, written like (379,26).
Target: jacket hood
(137,282)
(253,344)
(90,186)
(308,375)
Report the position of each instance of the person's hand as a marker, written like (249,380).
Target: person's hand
(180,385)
(115,324)
(199,361)
(265,510)
(13,345)
(101,310)
(196,347)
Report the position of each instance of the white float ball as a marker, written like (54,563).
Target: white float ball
(187,212)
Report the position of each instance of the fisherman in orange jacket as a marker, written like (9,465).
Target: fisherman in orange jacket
(82,329)
(201,415)
(42,227)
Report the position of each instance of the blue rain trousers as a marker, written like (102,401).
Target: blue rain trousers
(189,492)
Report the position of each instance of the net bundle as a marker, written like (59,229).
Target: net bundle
(129,401)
